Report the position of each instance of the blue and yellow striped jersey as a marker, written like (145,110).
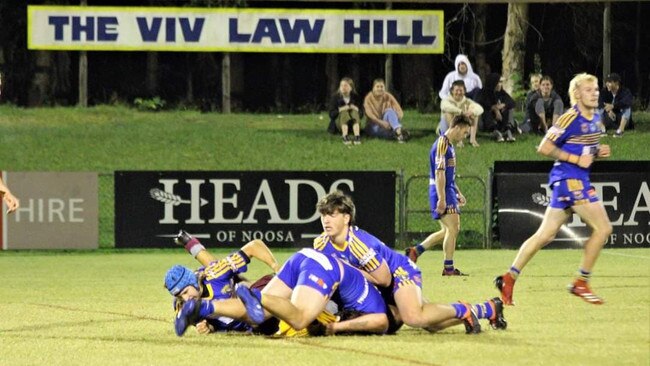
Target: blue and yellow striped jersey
(577,135)
(361,250)
(443,157)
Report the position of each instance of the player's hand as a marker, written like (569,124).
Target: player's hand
(441,207)
(12,202)
(330,328)
(604,151)
(461,199)
(585,160)
(203,327)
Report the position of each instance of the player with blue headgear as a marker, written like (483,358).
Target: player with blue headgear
(214,281)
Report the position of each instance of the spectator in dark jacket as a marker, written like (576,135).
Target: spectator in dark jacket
(615,105)
(498,106)
(346,111)
(544,107)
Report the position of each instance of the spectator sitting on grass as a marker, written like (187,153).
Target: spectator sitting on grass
(535,78)
(384,113)
(498,106)
(346,111)
(456,104)
(615,105)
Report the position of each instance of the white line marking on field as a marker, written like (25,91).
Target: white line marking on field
(625,255)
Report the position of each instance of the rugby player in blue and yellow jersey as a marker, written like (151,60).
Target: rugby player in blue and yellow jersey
(573,141)
(303,287)
(445,197)
(206,299)
(398,277)
(215,281)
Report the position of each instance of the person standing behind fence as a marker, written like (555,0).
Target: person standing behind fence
(444,195)
(573,142)
(346,110)
(384,113)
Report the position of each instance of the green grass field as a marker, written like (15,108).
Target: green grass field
(110,308)
(104,139)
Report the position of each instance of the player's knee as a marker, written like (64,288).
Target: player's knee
(605,230)
(413,319)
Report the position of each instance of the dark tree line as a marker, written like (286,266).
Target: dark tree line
(561,40)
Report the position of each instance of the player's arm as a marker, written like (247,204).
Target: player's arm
(441,181)
(380,276)
(257,249)
(11,200)
(461,198)
(367,323)
(549,149)
(195,248)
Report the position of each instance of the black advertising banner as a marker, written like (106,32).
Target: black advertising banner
(232,208)
(522,194)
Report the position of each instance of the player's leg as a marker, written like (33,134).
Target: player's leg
(491,309)
(595,216)
(451,224)
(303,308)
(432,240)
(554,218)
(416,314)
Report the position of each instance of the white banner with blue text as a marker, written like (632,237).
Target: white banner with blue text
(94,28)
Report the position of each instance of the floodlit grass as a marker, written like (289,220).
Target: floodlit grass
(105,139)
(110,308)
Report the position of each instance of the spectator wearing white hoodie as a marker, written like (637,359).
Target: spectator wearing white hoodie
(463,71)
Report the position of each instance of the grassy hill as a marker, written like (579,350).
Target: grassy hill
(105,139)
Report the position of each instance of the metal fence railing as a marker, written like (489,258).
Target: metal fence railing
(106,211)
(415,221)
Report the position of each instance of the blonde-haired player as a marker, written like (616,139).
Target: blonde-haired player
(573,141)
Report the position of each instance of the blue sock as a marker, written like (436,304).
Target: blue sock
(514,272)
(583,275)
(419,249)
(460,309)
(484,310)
(206,308)
(449,265)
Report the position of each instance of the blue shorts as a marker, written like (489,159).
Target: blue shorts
(451,198)
(572,192)
(301,270)
(406,275)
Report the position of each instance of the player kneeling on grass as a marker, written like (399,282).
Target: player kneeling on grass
(399,279)
(303,287)
(216,281)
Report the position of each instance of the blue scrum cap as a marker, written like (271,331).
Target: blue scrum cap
(179,277)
